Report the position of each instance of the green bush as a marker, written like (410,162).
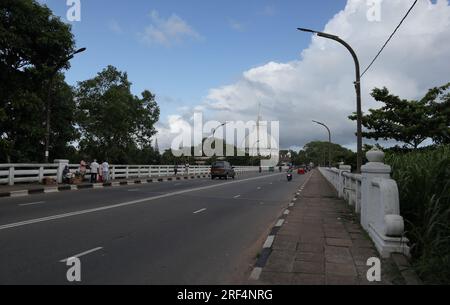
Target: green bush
(423,179)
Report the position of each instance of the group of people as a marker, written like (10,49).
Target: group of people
(99,172)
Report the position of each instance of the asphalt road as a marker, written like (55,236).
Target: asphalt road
(182,232)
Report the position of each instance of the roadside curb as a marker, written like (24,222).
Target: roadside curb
(268,245)
(66,188)
(406,271)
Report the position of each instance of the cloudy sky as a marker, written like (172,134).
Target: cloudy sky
(225,57)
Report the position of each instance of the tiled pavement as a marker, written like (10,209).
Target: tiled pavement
(322,243)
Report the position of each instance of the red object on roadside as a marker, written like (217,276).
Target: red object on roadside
(301,171)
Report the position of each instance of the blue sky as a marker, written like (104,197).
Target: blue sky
(226,38)
(225,58)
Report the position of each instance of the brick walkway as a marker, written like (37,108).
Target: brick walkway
(322,243)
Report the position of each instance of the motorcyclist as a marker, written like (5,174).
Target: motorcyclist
(289,174)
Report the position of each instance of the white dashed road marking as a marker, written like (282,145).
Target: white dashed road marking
(199,211)
(31,203)
(124,204)
(81,254)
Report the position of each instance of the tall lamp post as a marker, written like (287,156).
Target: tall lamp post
(357,87)
(54,71)
(329,141)
(258,153)
(213,134)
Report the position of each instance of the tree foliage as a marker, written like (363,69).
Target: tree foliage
(438,100)
(32,42)
(112,121)
(317,153)
(409,121)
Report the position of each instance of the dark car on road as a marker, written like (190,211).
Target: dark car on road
(222,169)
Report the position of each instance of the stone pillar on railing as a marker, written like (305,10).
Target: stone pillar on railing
(375,168)
(59,173)
(341,185)
(380,206)
(11,175)
(41,174)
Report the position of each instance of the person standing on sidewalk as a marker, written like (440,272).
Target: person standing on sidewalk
(105,171)
(94,171)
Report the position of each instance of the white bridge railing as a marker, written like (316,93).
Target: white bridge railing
(11,174)
(373,195)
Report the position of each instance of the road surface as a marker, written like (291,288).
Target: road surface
(181,232)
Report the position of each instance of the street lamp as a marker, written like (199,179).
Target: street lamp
(215,129)
(357,87)
(48,110)
(214,132)
(258,153)
(329,141)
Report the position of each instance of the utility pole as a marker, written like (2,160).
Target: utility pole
(51,81)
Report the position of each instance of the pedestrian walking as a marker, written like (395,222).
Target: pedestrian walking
(94,171)
(105,171)
(175,169)
(82,168)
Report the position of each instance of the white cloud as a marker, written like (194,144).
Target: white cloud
(268,10)
(320,84)
(236,25)
(175,125)
(167,32)
(115,27)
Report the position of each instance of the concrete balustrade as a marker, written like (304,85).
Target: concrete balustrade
(11,174)
(374,196)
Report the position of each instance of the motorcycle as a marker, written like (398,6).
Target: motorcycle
(289,176)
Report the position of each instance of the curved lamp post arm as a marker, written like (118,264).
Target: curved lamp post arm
(328,129)
(215,129)
(357,87)
(329,141)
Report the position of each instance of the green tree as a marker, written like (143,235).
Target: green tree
(409,121)
(32,42)
(438,100)
(317,153)
(112,121)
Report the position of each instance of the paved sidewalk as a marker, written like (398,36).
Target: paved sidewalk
(322,243)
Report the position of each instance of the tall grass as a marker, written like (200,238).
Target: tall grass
(423,178)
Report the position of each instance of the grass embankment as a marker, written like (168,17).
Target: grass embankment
(423,179)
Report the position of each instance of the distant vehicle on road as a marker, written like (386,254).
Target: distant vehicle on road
(289,175)
(222,169)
